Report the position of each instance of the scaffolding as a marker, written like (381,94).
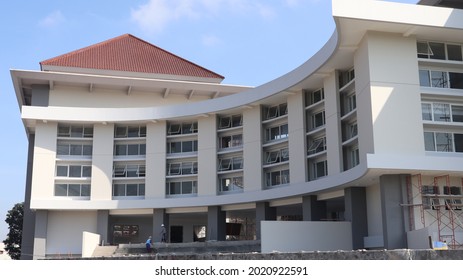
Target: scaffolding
(440,209)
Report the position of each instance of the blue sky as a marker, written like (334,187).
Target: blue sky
(250,42)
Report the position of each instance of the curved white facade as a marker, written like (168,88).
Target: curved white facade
(357,133)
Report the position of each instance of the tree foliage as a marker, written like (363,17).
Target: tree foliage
(14,219)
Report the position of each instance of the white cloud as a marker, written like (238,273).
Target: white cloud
(156,15)
(52,19)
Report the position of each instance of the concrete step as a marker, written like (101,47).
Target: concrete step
(104,251)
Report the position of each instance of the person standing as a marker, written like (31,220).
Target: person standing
(149,245)
(163,234)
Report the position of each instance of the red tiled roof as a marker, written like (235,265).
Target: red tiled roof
(129,53)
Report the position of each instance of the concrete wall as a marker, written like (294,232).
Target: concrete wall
(252,149)
(388,96)
(43,173)
(102,162)
(107,98)
(297,158)
(305,236)
(89,243)
(207,156)
(155,180)
(418,239)
(65,228)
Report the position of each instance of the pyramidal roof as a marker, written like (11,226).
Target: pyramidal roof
(130,54)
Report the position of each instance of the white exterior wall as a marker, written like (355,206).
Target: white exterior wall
(110,98)
(102,162)
(207,156)
(297,158)
(65,229)
(155,180)
(43,176)
(388,96)
(252,149)
(305,236)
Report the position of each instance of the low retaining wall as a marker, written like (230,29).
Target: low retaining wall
(403,254)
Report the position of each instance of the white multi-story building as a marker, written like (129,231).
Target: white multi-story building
(124,137)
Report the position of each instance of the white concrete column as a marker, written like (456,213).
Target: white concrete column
(297,146)
(102,162)
(43,174)
(333,124)
(388,95)
(252,149)
(155,178)
(207,156)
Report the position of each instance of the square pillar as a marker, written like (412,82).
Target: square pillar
(102,226)
(40,235)
(394,230)
(264,213)
(313,209)
(160,217)
(216,223)
(356,212)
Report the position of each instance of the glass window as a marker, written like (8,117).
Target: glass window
(62,171)
(175,188)
(132,149)
(444,142)
(121,132)
(61,190)
(120,150)
(273,157)
(77,131)
(187,168)
(320,169)
(132,189)
(187,187)
(174,169)
(62,149)
(86,171)
(187,146)
(64,131)
(224,122)
(439,79)
(142,149)
(456,80)
(423,49)
(458,142)
(75,171)
(318,119)
(85,190)
(237,120)
(457,113)
(74,190)
(424,78)
(225,164)
(438,50)
(426,111)
(454,52)
(429,144)
(132,131)
(237,140)
(141,189)
(441,112)
(237,163)
(119,190)
(175,147)
(76,150)
(87,150)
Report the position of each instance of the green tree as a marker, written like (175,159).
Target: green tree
(14,219)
